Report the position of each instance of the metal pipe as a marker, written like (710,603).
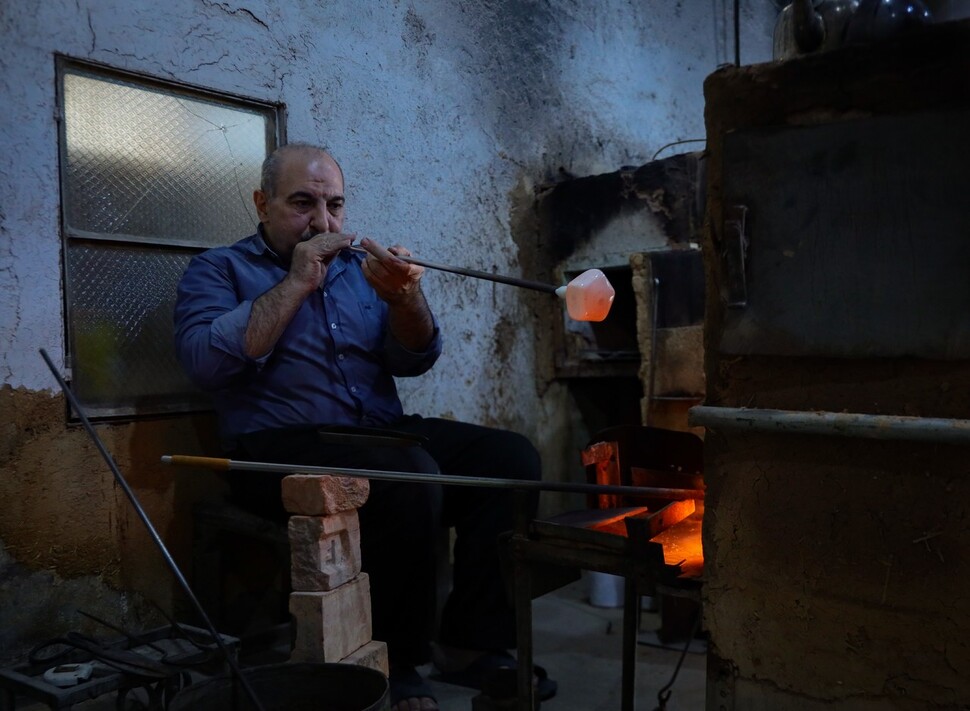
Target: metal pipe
(654,319)
(487,482)
(836,424)
(106,455)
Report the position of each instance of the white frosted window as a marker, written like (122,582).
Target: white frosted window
(151,173)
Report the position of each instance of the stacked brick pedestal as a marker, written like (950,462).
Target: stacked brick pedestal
(331,596)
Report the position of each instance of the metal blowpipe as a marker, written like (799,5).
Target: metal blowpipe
(480,481)
(588,297)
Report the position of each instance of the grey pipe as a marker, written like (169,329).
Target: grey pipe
(836,424)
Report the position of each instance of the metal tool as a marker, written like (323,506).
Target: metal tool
(217,638)
(384,475)
(513,281)
(588,296)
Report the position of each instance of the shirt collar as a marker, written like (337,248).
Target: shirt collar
(256,243)
(261,236)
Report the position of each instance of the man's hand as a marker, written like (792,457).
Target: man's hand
(311,257)
(393,279)
(398,283)
(273,311)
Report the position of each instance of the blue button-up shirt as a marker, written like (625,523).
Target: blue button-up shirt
(334,364)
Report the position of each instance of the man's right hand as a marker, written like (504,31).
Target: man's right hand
(273,311)
(310,259)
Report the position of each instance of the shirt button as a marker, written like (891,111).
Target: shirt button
(340,356)
(353,388)
(333,326)
(325,293)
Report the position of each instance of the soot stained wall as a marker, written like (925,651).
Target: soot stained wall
(444,115)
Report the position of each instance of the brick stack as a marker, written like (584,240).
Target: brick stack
(331,596)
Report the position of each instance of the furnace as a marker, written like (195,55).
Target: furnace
(838,366)
(641,226)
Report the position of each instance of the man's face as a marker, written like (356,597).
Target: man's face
(308,200)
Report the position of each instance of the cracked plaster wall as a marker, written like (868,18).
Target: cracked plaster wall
(444,115)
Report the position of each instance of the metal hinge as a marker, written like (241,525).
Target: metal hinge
(735,255)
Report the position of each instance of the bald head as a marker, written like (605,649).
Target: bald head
(273,164)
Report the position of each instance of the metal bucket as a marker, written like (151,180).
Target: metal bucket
(291,687)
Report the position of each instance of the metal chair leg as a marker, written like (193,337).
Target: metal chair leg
(522,600)
(631,627)
(523,611)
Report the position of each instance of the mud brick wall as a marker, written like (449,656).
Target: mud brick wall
(836,568)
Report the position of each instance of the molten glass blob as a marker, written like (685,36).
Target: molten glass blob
(588,296)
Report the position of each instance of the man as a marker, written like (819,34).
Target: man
(299,340)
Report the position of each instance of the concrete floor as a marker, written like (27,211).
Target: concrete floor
(579,645)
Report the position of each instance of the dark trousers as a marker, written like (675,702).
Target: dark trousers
(400,524)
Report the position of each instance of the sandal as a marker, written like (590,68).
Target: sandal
(406,683)
(495,674)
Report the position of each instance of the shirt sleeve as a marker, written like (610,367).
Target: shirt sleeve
(210,325)
(404,363)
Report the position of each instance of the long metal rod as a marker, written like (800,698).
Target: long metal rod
(841,424)
(654,292)
(514,281)
(106,455)
(384,475)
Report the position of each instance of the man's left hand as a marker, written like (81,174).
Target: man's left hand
(393,279)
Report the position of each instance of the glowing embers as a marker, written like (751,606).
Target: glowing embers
(589,296)
(683,549)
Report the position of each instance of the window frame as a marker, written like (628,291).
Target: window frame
(275,135)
